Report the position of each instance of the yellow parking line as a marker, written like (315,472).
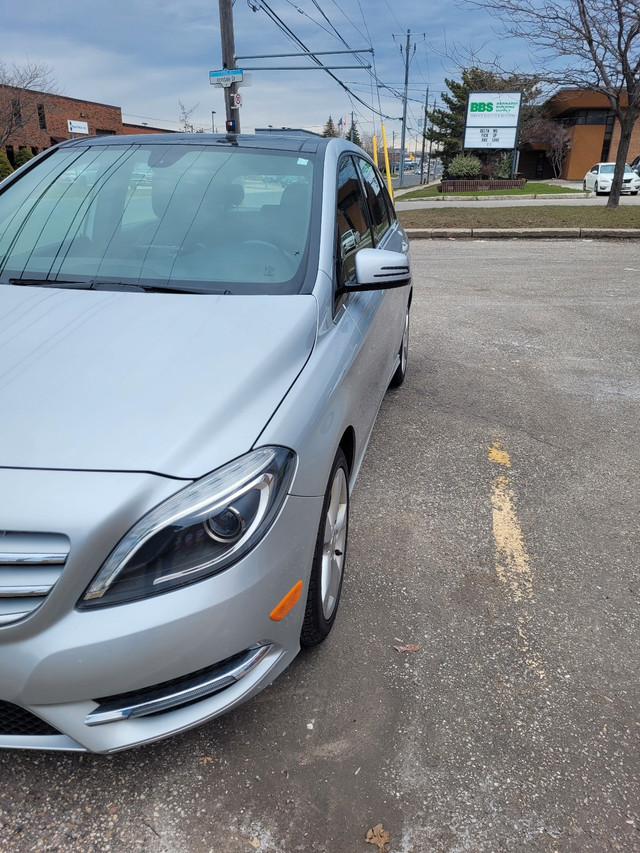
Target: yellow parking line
(513,566)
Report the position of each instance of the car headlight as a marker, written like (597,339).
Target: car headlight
(197,532)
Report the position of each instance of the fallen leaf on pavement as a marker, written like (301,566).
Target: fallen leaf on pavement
(407,648)
(379,836)
(255,843)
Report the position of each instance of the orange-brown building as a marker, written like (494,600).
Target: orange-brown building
(38,120)
(594,133)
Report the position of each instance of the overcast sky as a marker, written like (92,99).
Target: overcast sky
(147,56)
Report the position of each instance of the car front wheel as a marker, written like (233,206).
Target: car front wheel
(325,583)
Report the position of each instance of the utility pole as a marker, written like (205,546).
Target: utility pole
(404,108)
(430,144)
(229,62)
(424,138)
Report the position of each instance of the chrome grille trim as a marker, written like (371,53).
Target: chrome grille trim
(6,618)
(10,559)
(24,591)
(30,565)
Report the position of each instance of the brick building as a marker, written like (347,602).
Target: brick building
(37,120)
(594,133)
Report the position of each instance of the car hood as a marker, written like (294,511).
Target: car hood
(119,381)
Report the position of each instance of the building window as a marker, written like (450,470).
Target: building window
(606,142)
(16,112)
(585,117)
(105,132)
(42,118)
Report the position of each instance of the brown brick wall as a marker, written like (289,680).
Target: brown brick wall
(58,110)
(634,145)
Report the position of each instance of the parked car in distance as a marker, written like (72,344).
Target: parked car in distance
(635,164)
(194,347)
(600,177)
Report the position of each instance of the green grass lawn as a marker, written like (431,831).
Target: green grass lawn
(530,188)
(574,216)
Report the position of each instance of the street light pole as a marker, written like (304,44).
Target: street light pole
(213,121)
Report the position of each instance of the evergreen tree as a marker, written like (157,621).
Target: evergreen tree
(330,129)
(353,135)
(5,166)
(447,123)
(23,156)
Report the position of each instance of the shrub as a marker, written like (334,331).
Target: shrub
(23,156)
(503,167)
(464,168)
(5,166)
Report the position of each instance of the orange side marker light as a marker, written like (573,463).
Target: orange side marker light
(289,601)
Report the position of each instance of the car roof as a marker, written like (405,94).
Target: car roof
(265,142)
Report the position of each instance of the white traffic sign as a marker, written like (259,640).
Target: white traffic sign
(236,101)
(225,77)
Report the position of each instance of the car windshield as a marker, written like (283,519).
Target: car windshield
(607,168)
(206,218)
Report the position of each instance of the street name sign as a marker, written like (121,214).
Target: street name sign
(225,77)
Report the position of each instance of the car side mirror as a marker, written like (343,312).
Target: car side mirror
(379,269)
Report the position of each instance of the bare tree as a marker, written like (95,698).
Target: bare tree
(15,81)
(185,119)
(589,44)
(556,138)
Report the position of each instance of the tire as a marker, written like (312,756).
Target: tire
(584,186)
(398,377)
(327,570)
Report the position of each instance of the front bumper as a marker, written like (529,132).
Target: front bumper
(626,188)
(80,672)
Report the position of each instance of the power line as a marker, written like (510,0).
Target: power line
(288,32)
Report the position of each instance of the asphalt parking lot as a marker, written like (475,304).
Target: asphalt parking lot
(481,688)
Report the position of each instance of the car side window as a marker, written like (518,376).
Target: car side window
(354,231)
(375,197)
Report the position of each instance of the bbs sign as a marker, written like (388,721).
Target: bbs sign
(492,120)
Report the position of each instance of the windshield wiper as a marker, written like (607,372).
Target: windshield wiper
(51,282)
(101,284)
(161,288)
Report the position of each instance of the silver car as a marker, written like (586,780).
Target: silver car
(191,365)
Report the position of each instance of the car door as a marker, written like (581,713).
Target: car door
(364,220)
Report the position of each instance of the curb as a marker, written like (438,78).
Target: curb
(578,196)
(523,233)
